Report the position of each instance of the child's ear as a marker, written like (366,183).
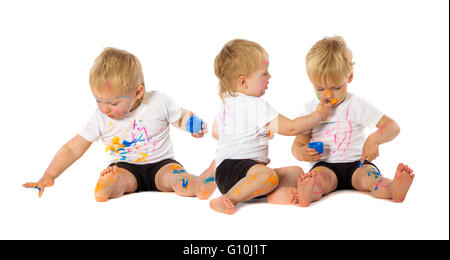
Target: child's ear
(242,82)
(140,91)
(350,78)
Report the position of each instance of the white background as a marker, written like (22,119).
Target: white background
(48,47)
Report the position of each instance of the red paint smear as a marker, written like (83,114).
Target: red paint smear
(108,86)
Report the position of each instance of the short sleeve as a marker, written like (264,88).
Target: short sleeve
(368,114)
(265,113)
(172,111)
(91,130)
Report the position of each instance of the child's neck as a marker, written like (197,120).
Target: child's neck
(244,92)
(136,104)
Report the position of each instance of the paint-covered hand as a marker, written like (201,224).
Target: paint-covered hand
(307,154)
(202,132)
(46,181)
(370,150)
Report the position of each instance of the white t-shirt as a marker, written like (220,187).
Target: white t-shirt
(140,138)
(342,133)
(241,124)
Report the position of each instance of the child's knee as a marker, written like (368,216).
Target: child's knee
(368,177)
(371,172)
(185,185)
(298,170)
(267,175)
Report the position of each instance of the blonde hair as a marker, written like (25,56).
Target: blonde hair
(238,57)
(329,61)
(116,71)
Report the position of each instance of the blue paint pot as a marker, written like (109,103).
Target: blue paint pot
(194,124)
(318,146)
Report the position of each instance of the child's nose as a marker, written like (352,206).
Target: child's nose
(105,109)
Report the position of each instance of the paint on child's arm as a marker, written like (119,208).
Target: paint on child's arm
(380,130)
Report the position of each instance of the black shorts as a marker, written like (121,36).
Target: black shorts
(144,173)
(344,172)
(231,171)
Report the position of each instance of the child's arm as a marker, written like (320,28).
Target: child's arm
(66,156)
(215,131)
(301,151)
(189,122)
(286,126)
(388,129)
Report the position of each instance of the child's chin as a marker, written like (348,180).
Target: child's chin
(113,117)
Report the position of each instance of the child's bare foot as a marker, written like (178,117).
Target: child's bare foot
(223,205)
(305,186)
(401,183)
(206,184)
(106,184)
(283,195)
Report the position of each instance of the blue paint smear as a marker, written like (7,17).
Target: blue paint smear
(210,179)
(185,183)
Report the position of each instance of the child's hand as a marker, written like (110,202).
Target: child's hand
(46,181)
(202,132)
(309,154)
(324,108)
(370,150)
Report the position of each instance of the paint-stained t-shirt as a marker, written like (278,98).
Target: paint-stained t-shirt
(343,132)
(241,123)
(142,136)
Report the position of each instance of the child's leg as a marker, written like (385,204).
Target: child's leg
(368,178)
(313,185)
(207,182)
(173,177)
(259,180)
(286,192)
(114,182)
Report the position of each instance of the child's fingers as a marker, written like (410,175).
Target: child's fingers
(363,158)
(30,184)
(374,156)
(310,151)
(369,157)
(41,191)
(316,157)
(35,185)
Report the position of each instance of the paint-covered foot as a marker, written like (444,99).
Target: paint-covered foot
(305,187)
(206,184)
(222,205)
(283,195)
(106,184)
(402,181)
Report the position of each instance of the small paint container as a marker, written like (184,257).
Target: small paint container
(318,146)
(194,124)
